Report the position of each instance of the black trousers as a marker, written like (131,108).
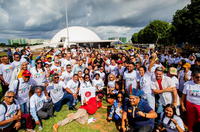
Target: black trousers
(45,111)
(141,129)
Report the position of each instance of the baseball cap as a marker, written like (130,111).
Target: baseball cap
(119,62)
(26,73)
(100,95)
(187,65)
(49,56)
(173,71)
(63,48)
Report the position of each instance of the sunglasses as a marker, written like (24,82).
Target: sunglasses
(48,58)
(39,62)
(68,67)
(197,77)
(101,69)
(119,97)
(56,77)
(87,77)
(10,97)
(110,77)
(57,62)
(16,57)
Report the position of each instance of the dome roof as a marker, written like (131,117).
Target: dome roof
(76,34)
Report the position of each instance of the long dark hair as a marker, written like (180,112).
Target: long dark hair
(89,77)
(38,59)
(174,112)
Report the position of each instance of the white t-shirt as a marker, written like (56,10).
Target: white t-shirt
(56,91)
(74,51)
(106,66)
(175,80)
(6,71)
(23,91)
(172,127)
(114,69)
(65,63)
(39,76)
(102,74)
(98,83)
(85,84)
(11,111)
(121,71)
(56,67)
(130,78)
(111,84)
(145,83)
(16,64)
(37,102)
(192,90)
(178,59)
(191,62)
(153,68)
(73,86)
(66,76)
(171,60)
(50,63)
(182,81)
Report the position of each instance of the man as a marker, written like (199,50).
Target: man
(120,68)
(58,95)
(22,87)
(6,71)
(196,65)
(73,50)
(40,106)
(73,87)
(16,64)
(67,75)
(10,115)
(16,52)
(56,67)
(130,77)
(138,112)
(184,76)
(98,61)
(65,62)
(78,67)
(81,116)
(166,89)
(10,55)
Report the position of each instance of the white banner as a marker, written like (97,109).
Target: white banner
(87,93)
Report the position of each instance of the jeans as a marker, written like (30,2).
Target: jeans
(141,129)
(150,98)
(160,108)
(25,107)
(68,96)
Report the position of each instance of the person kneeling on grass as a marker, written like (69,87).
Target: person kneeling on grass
(138,112)
(40,106)
(81,116)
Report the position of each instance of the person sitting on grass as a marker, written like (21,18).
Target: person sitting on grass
(11,115)
(40,106)
(170,120)
(57,93)
(81,116)
(116,110)
(138,112)
(98,83)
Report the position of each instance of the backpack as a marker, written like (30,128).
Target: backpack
(4,104)
(17,88)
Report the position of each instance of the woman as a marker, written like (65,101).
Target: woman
(39,74)
(87,82)
(17,73)
(170,120)
(111,83)
(98,83)
(80,77)
(191,95)
(116,109)
(144,83)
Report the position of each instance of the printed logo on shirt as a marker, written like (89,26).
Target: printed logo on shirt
(88,94)
(11,114)
(39,103)
(194,93)
(74,87)
(130,111)
(88,86)
(24,90)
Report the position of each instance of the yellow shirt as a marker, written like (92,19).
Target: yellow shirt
(19,75)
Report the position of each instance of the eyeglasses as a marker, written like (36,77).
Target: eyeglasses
(197,77)
(57,62)
(10,97)
(39,62)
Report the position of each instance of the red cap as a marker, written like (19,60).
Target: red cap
(119,62)
(26,73)
(63,48)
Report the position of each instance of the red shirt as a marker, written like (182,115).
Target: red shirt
(92,105)
(159,84)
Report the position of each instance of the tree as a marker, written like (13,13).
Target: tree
(151,32)
(186,23)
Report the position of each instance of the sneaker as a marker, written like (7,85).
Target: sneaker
(40,128)
(30,130)
(55,127)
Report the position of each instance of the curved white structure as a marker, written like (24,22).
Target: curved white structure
(76,34)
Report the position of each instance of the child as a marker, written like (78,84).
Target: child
(110,87)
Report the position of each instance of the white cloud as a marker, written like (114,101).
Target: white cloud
(4,16)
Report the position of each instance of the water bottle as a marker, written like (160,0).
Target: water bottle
(39,127)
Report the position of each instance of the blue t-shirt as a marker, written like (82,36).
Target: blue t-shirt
(138,120)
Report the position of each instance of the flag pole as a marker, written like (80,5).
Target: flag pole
(67,37)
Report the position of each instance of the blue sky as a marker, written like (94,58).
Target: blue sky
(107,18)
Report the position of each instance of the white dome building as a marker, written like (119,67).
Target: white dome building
(76,34)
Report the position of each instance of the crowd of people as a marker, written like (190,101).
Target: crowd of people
(147,89)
